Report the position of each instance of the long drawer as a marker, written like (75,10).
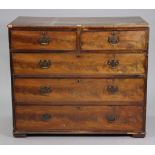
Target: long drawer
(79,118)
(84,64)
(81,91)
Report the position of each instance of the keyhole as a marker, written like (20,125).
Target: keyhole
(78,81)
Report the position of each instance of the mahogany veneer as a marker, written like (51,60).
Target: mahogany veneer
(79,75)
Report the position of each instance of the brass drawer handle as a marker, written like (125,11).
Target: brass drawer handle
(44,39)
(111,118)
(44,90)
(113,39)
(44,64)
(113,63)
(46,117)
(112,89)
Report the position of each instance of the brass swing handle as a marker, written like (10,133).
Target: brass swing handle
(111,118)
(44,39)
(46,117)
(45,90)
(112,89)
(113,63)
(113,39)
(44,64)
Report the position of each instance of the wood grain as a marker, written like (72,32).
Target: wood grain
(84,64)
(78,90)
(28,40)
(128,40)
(79,118)
(65,22)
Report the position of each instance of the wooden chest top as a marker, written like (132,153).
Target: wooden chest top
(73,22)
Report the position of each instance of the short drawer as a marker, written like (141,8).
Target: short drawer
(84,64)
(40,40)
(79,118)
(79,91)
(114,40)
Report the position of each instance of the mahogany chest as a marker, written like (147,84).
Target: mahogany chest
(79,75)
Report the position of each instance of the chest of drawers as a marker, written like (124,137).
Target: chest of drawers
(79,75)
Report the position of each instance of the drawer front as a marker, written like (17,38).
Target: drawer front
(97,64)
(117,40)
(81,91)
(39,40)
(81,118)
